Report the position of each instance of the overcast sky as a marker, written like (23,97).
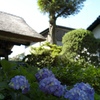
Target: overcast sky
(28,10)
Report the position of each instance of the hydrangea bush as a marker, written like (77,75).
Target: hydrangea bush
(43,73)
(76,94)
(86,88)
(51,85)
(80,91)
(20,82)
(29,83)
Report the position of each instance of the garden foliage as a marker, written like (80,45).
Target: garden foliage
(73,73)
(51,85)
(15,81)
(81,46)
(58,8)
(30,83)
(67,72)
(19,83)
(47,75)
(43,56)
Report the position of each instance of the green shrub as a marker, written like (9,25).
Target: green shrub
(80,46)
(43,56)
(70,74)
(97,96)
(73,73)
(8,70)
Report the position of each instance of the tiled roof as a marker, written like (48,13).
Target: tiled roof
(94,24)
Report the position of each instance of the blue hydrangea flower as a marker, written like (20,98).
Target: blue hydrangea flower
(51,85)
(86,88)
(43,73)
(76,94)
(20,82)
(80,91)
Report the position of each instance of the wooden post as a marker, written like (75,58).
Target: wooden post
(6,56)
(6,53)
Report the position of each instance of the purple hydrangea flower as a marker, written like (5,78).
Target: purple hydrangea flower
(86,88)
(43,73)
(20,82)
(76,94)
(51,85)
(80,91)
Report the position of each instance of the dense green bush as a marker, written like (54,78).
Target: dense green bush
(8,70)
(67,72)
(70,74)
(43,56)
(73,73)
(80,45)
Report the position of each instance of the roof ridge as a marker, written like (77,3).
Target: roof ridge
(11,14)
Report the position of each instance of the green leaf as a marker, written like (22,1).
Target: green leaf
(1,96)
(6,65)
(97,97)
(3,85)
(24,97)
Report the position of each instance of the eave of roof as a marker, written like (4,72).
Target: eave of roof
(15,29)
(18,39)
(94,24)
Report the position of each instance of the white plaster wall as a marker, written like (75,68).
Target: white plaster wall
(96,32)
(33,44)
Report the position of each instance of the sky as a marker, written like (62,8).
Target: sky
(28,10)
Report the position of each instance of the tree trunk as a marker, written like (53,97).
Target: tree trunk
(52,26)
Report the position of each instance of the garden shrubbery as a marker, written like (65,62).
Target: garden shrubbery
(73,73)
(19,83)
(43,56)
(80,45)
(52,72)
(30,83)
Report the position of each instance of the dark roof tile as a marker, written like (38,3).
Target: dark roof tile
(94,24)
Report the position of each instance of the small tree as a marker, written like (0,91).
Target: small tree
(80,45)
(59,8)
(44,56)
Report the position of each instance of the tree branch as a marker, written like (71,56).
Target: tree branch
(61,13)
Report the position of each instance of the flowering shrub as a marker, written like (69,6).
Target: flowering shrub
(43,73)
(51,85)
(81,91)
(20,82)
(48,84)
(76,94)
(86,88)
(77,47)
